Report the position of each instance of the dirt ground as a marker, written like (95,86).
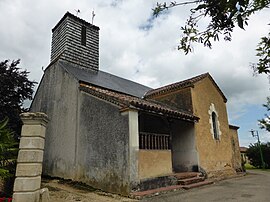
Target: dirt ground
(67,191)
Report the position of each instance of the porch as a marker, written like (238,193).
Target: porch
(166,146)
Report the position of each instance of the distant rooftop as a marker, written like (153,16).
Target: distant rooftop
(243,149)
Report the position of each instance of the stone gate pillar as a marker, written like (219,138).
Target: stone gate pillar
(30,157)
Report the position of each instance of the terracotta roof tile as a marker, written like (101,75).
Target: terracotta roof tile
(243,149)
(182,84)
(128,101)
(234,127)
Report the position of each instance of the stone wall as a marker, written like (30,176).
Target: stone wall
(215,155)
(102,158)
(30,158)
(87,139)
(180,99)
(57,96)
(236,158)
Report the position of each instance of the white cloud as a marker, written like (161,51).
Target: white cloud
(147,55)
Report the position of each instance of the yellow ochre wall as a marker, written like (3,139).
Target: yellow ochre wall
(236,158)
(153,163)
(215,156)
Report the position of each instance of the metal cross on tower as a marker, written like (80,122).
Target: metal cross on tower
(77,12)
(93,15)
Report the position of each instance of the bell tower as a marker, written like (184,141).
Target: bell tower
(76,41)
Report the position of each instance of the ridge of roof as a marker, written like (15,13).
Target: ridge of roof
(182,84)
(68,14)
(177,85)
(128,101)
(233,127)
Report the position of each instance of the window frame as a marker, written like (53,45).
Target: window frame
(215,126)
(214,123)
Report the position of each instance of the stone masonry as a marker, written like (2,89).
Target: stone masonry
(30,158)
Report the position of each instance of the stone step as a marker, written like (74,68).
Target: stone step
(198,184)
(186,175)
(153,192)
(192,180)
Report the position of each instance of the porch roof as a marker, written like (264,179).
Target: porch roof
(128,101)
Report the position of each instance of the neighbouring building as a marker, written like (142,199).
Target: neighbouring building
(244,157)
(113,133)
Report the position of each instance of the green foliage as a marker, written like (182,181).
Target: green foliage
(263,52)
(265,122)
(15,89)
(248,166)
(224,16)
(8,156)
(8,150)
(253,153)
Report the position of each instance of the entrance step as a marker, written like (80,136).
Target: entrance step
(163,190)
(191,180)
(186,175)
(154,192)
(198,184)
(173,182)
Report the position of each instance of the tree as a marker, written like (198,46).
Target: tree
(265,122)
(263,52)
(15,89)
(8,156)
(8,150)
(253,153)
(223,16)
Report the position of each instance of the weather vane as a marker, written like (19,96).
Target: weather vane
(77,12)
(93,15)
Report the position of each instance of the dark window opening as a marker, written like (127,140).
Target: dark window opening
(83,36)
(215,125)
(154,141)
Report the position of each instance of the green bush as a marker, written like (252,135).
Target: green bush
(253,153)
(8,156)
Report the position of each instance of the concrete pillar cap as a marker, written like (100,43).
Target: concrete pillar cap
(35,118)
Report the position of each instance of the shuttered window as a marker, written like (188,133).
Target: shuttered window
(83,36)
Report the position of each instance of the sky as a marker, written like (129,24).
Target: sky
(136,46)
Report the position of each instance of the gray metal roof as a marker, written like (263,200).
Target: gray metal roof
(105,80)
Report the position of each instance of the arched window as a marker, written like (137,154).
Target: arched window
(215,125)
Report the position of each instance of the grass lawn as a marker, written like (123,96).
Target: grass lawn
(251,167)
(248,166)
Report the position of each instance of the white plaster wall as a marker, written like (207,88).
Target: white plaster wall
(102,145)
(57,97)
(133,146)
(184,153)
